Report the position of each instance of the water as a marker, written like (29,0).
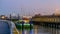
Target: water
(37,29)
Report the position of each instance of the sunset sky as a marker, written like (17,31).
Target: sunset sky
(29,7)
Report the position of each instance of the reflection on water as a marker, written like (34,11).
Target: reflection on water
(27,31)
(40,30)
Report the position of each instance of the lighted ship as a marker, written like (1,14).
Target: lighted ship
(24,24)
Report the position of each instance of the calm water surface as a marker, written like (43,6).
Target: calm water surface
(37,29)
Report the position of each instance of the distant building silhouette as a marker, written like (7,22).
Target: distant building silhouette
(10,16)
(18,16)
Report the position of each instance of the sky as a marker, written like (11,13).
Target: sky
(29,7)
